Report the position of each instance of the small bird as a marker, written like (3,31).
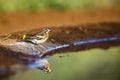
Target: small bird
(38,38)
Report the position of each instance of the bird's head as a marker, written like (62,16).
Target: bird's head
(46,30)
(46,66)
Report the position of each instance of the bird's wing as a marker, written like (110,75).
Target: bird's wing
(37,36)
(40,36)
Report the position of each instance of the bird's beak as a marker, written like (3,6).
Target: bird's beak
(49,30)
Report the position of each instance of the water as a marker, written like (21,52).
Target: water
(83,65)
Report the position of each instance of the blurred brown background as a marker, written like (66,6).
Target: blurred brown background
(86,65)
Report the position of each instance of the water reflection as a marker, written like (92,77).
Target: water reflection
(88,65)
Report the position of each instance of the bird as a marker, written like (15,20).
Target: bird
(37,38)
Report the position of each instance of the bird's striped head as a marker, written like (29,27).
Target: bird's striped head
(46,30)
(46,66)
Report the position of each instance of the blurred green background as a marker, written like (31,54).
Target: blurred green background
(29,5)
(94,64)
